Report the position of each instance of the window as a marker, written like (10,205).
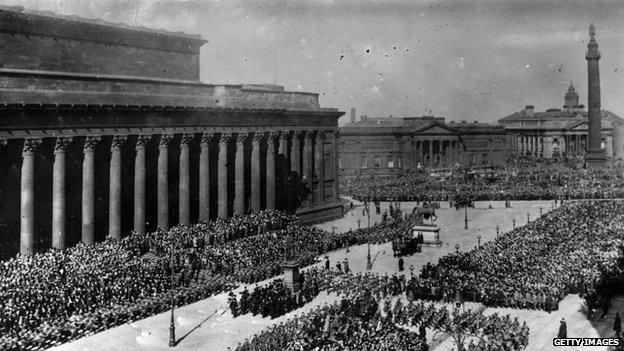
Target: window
(340,162)
(377,161)
(603,144)
(391,162)
(363,162)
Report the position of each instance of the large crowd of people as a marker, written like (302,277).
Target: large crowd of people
(521,179)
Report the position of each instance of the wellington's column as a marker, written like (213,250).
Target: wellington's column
(139,184)
(319,165)
(58,193)
(222,204)
(163,181)
(295,152)
(27,201)
(239,175)
(204,177)
(307,163)
(114,201)
(335,165)
(88,189)
(255,172)
(595,155)
(184,202)
(270,171)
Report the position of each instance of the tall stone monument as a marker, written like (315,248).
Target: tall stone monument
(594,156)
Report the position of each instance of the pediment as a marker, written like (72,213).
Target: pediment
(579,126)
(436,129)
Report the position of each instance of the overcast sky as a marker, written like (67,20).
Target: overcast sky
(463,60)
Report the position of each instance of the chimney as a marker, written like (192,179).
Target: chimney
(352,115)
(529,110)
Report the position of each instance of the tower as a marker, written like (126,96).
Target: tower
(595,156)
(571,99)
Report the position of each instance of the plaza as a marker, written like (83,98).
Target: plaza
(209,325)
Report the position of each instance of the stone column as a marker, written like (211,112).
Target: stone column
(335,166)
(114,199)
(222,175)
(163,181)
(27,198)
(307,164)
(204,177)
(270,171)
(58,193)
(255,172)
(295,149)
(451,153)
(184,199)
(88,189)
(430,163)
(139,184)
(594,155)
(239,175)
(319,165)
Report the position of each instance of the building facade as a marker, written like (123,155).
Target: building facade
(106,129)
(562,132)
(390,146)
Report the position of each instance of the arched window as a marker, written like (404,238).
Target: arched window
(603,143)
(555,144)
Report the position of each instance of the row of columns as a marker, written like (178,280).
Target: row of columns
(312,155)
(447,150)
(531,143)
(573,144)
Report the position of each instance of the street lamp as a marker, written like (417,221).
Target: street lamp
(514,223)
(479,241)
(528,217)
(466,217)
(497,230)
(412,271)
(369,263)
(172,338)
(359,221)
(541,209)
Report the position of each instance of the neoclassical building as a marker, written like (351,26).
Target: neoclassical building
(562,132)
(106,129)
(387,146)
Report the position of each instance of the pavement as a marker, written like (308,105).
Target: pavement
(208,324)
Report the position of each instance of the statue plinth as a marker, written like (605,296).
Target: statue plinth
(291,275)
(595,159)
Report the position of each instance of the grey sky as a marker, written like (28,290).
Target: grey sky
(457,59)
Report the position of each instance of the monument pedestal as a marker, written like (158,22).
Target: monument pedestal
(291,276)
(595,159)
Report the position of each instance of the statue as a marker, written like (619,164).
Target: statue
(289,250)
(592,31)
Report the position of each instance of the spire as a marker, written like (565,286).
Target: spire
(592,32)
(571,88)
(571,99)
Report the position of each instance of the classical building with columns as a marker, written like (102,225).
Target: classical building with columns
(562,132)
(106,129)
(390,146)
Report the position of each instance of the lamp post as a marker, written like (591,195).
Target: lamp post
(528,217)
(514,223)
(541,209)
(368,212)
(369,263)
(497,230)
(412,271)
(359,221)
(172,338)
(466,217)
(479,241)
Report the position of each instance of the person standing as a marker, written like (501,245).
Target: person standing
(563,329)
(401,263)
(345,263)
(326,263)
(617,325)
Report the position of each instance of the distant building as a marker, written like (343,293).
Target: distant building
(387,146)
(562,132)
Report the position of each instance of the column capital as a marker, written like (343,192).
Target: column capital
(62,143)
(274,136)
(31,145)
(206,138)
(320,135)
(225,138)
(118,141)
(283,136)
(298,133)
(307,134)
(257,138)
(91,142)
(142,141)
(165,140)
(241,138)
(187,138)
